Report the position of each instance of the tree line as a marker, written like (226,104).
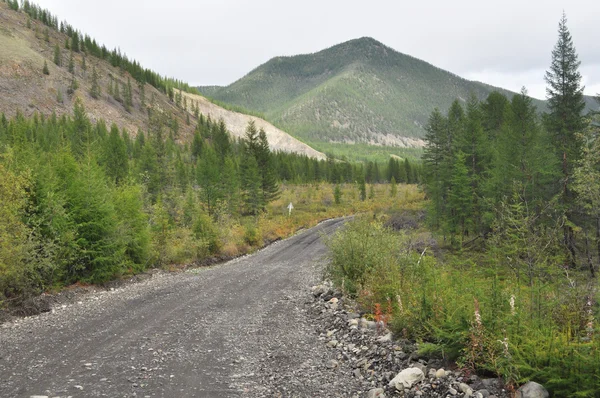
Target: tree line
(83,201)
(489,157)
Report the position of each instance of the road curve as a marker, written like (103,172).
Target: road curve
(236,329)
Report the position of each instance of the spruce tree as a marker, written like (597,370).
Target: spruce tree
(71,62)
(57,56)
(269,185)
(114,156)
(565,104)
(251,184)
(142,88)
(95,89)
(393,188)
(208,176)
(564,120)
(128,96)
(45,69)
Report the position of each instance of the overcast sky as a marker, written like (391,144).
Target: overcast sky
(204,42)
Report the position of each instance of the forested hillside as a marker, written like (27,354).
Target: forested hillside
(360,91)
(46,65)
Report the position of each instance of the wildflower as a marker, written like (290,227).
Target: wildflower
(512,305)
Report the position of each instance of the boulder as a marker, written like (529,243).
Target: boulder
(407,378)
(532,389)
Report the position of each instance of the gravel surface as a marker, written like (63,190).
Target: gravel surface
(236,329)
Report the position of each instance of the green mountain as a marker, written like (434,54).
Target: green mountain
(360,91)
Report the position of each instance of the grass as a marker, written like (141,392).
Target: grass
(472,308)
(312,204)
(364,152)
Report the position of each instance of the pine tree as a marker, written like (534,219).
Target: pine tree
(95,89)
(47,35)
(57,56)
(45,68)
(83,64)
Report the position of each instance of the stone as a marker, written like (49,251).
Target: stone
(531,389)
(440,374)
(332,364)
(452,391)
(484,393)
(332,344)
(385,339)
(353,322)
(468,391)
(407,378)
(376,393)
(79,387)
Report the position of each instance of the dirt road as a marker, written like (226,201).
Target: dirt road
(236,329)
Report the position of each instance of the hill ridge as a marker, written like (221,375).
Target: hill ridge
(358,91)
(27,43)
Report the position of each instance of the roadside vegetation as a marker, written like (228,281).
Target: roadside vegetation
(82,202)
(500,275)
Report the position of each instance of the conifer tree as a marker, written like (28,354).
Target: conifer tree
(114,156)
(57,56)
(71,62)
(83,64)
(564,120)
(208,175)
(73,86)
(47,35)
(75,41)
(393,187)
(269,185)
(95,88)
(128,96)
(45,69)
(565,103)
(251,184)
(142,87)
(337,194)
(117,91)
(362,188)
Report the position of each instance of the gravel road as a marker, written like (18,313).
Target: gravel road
(236,329)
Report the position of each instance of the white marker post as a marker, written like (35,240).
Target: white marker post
(290,208)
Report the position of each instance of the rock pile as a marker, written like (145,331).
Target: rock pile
(388,367)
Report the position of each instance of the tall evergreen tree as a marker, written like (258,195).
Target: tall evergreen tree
(57,56)
(565,103)
(95,90)
(269,185)
(564,120)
